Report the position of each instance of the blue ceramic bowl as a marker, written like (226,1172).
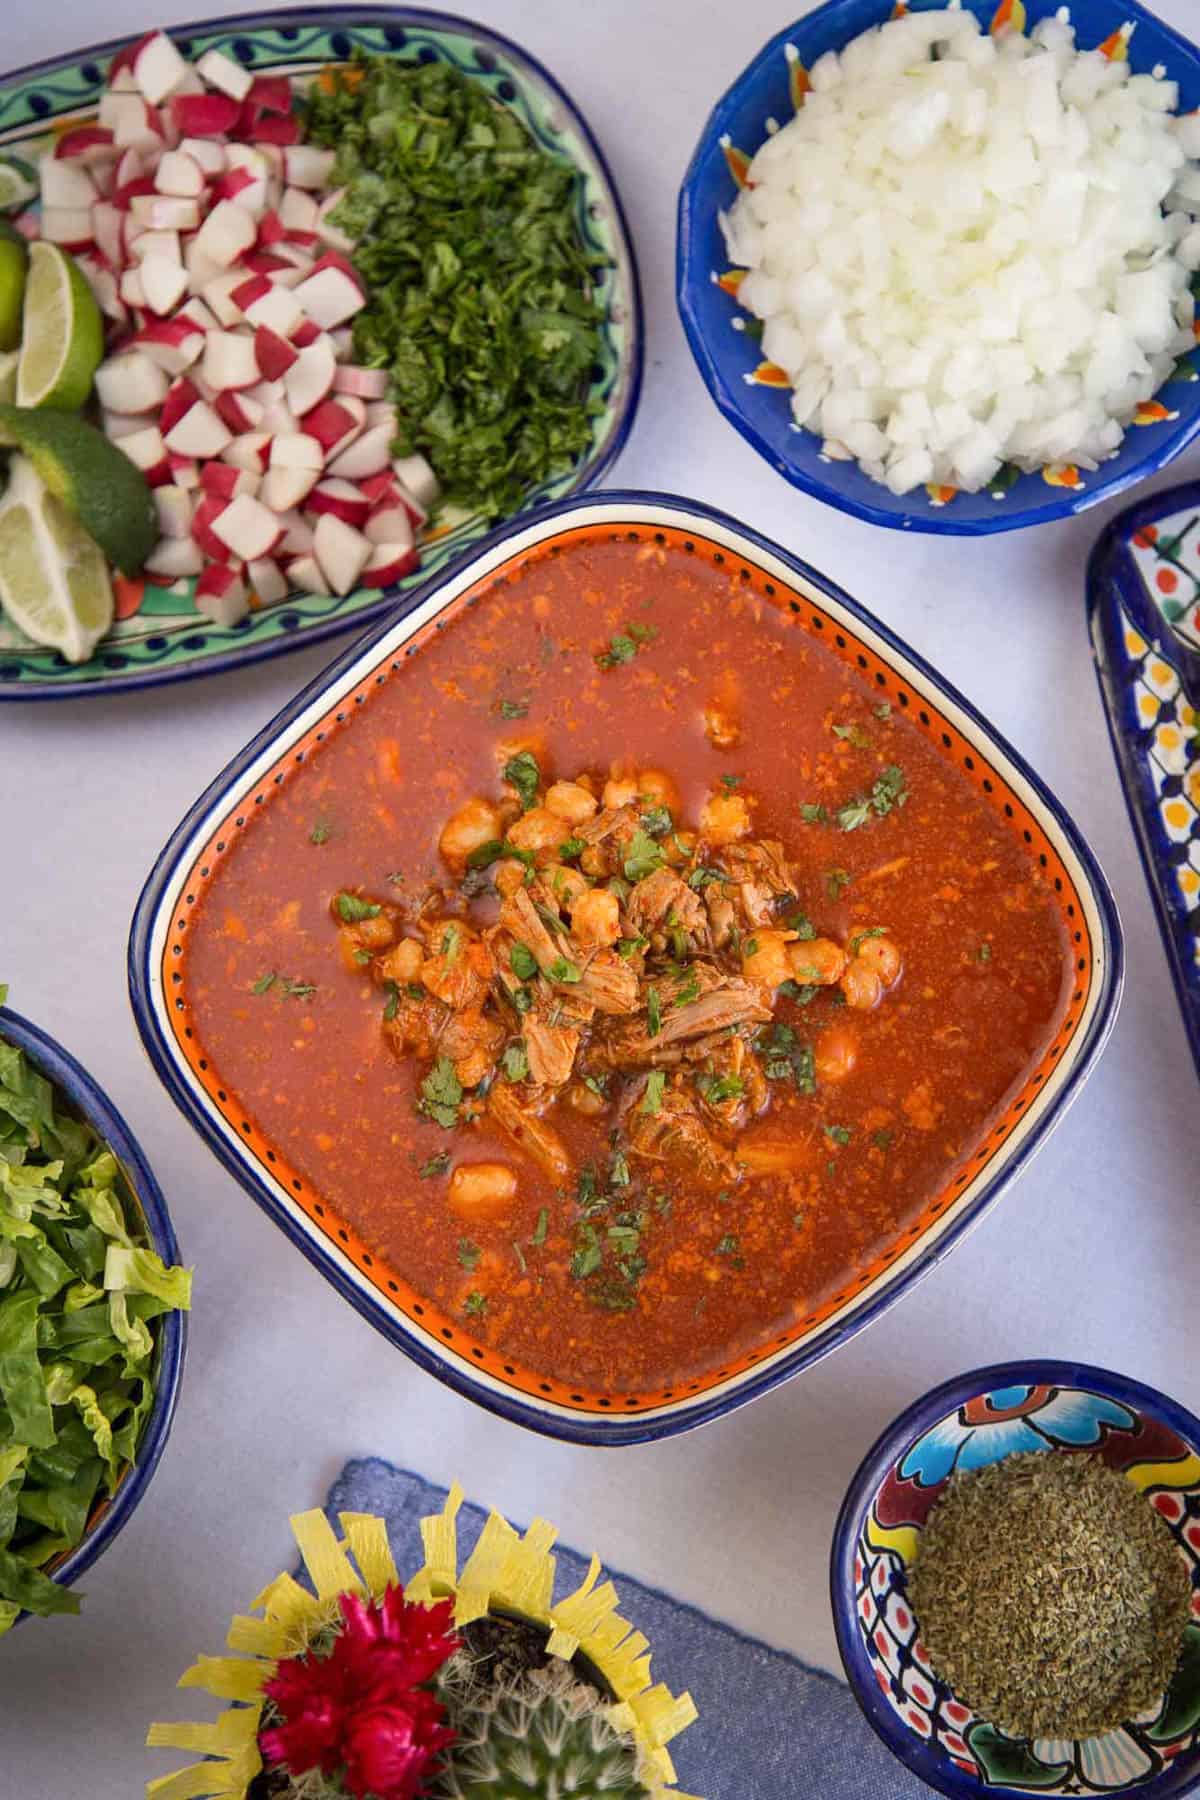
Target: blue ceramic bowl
(73,1084)
(727,356)
(976,1419)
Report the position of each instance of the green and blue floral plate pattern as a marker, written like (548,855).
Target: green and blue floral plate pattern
(158,635)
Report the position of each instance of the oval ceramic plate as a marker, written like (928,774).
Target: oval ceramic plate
(158,635)
(158,970)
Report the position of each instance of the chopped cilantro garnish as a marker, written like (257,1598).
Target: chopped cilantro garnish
(468,1253)
(598,1084)
(571,847)
(984,952)
(882,1140)
(837,1134)
(475,1305)
(297,990)
(688,991)
(441,1094)
(523,962)
(860,938)
(437,1165)
(656,1087)
(653,1012)
(727,1246)
(854,734)
(853,814)
(516,1061)
(522,999)
(621,649)
(562,969)
(730,782)
(642,856)
(814,815)
(785,1058)
(883,710)
(352,909)
(835,881)
(643,634)
(588,1252)
(391,1002)
(484,855)
(700,878)
(521,771)
(321,832)
(803,996)
(618,1174)
(717,1089)
(265,983)
(657,821)
(542,1227)
(362,956)
(514,709)
(629,946)
(889,790)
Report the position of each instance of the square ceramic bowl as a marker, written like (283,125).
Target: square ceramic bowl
(158,635)
(753,394)
(976,1419)
(158,969)
(88,1101)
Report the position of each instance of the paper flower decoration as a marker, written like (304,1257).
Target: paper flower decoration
(364,1687)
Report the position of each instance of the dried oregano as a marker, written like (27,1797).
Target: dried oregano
(1050,1595)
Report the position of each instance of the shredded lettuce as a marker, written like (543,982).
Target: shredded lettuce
(79,1293)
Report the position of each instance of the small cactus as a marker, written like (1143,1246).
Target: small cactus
(537,1735)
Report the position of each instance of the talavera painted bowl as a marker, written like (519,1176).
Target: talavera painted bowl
(977,1419)
(753,395)
(819,612)
(87,1100)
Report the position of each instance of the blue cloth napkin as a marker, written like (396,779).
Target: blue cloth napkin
(770,1728)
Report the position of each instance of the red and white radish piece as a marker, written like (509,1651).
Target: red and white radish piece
(267,579)
(228,77)
(226,234)
(70,226)
(226,483)
(311,376)
(305,572)
(222,595)
(158,67)
(249,528)
(284,489)
(331,293)
(91,145)
(341,552)
(185,471)
(297,537)
(209,154)
(229,360)
(364,384)
(204,115)
(179,175)
(65,183)
(417,476)
(108,231)
(165,212)
(174,506)
(298,210)
(239,411)
(130,383)
(199,433)
(275,355)
(342,499)
(174,344)
(164,283)
(297,450)
(389,524)
(249,450)
(367,455)
(388,563)
(175,558)
(306,166)
(218,297)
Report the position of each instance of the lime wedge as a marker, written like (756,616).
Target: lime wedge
(91,477)
(53,579)
(15,188)
(8,376)
(62,340)
(14,255)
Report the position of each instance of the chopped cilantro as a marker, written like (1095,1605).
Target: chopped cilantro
(475,1305)
(562,969)
(570,848)
(785,1058)
(643,634)
(889,790)
(727,1246)
(598,1084)
(437,1165)
(750,947)
(621,649)
(297,990)
(520,1256)
(468,1254)
(362,956)
(542,1226)
(441,1094)
(514,709)
(484,855)
(717,1089)
(588,1252)
(451,944)
(701,878)
(516,1061)
(523,962)
(522,998)
(653,1012)
(521,771)
(835,881)
(656,1087)
(688,991)
(628,947)
(853,814)
(854,734)
(657,821)
(803,996)
(618,1174)
(837,1134)
(814,815)
(265,983)
(321,832)
(883,710)
(642,856)
(882,1140)
(391,1002)
(860,938)
(730,782)
(984,952)
(352,909)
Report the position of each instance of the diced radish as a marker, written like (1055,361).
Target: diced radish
(70,226)
(229,360)
(118,425)
(390,490)
(342,339)
(272,130)
(326,230)
(388,563)
(248,290)
(329,295)
(298,210)
(306,166)
(208,508)
(333,425)
(365,384)
(343,500)
(297,535)
(174,507)
(125,116)
(165,212)
(239,411)
(284,489)
(158,67)
(65,183)
(271,94)
(367,455)
(250,450)
(268,393)
(218,296)
(156,243)
(249,528)
(88,144)
(146,450)
(247,189)
(300,248)
(389,524)
(131,166)
(226,482)
(267,262)
(210,155)
(276,309)
(271,228)
(311,376)
(275,355)
(305,572)
(199,314)
(267,580)
(279,419)
(341,552)
(164,283)
(228,77)
(226,234)
(305,334)
(205,115)
(175,556)
(222,595)
(297,450)
(103,284)
(415,474)
(179,175)
(107,230)
(381,412)
(191,84)
(130,383)
(132,292)
(174,344)
(185,471)
(200,432)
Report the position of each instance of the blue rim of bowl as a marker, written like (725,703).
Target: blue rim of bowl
(589,472)
(78,1088)
(728,402)
(884,1453)
(1112,584)
(572,1428)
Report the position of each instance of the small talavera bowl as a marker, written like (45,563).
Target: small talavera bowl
(973,1420)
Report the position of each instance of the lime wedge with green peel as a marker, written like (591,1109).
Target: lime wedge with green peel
(54,580)
(15,188)
(91,477)
(62,334)
(8,377)
(14,256)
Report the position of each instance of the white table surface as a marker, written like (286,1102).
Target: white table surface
(1092,1255)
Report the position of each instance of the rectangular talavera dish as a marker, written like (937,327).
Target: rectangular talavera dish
(815,970)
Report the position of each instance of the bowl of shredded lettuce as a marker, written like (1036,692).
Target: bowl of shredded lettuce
(92,1323)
